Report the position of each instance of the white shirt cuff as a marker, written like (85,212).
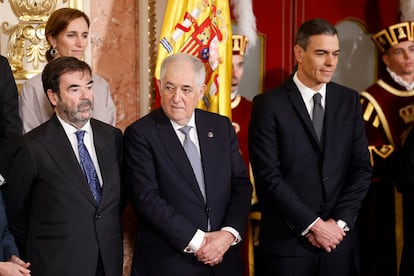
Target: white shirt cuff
(234,232)
(343,225)
(306,231)
(195,242)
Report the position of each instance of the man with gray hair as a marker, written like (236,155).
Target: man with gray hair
(186,180)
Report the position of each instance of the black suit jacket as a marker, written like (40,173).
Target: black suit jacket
(51,209)
(297,178)
(165,193)
(10,123)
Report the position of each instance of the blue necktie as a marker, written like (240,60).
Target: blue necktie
(317,115)
(88,168)
(194,157)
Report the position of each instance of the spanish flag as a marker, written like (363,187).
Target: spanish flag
(201,28)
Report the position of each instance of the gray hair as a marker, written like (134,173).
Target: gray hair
(198,66)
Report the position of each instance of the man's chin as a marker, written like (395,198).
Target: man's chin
(84,116)
(85,110)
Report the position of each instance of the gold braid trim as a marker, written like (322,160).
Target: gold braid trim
(386,150)
(394,91)
(235,102)
(380,115)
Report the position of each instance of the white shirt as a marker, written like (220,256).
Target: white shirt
(193,132)
(307,94)
(87,140)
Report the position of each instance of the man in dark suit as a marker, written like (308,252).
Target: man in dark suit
(10,122)
(10,263)
(311,164)
(66,225)
(10,130)
(190,220)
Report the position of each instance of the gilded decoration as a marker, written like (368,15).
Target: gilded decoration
(27,45)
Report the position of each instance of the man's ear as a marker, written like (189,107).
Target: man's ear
(202,90)
(298,51)
(52,97)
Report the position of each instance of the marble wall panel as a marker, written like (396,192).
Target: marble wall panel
(114,41)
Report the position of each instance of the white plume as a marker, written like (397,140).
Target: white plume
(407,10)
(246,21)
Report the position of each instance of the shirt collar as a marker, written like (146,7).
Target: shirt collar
(69,129)
(400,81)
(190,123)
(307,93)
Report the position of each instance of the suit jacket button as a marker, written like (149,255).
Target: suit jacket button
(98,216)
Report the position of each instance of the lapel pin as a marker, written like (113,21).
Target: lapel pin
(210,134)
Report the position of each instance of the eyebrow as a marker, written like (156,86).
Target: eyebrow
(73,86)
(178,85)
(77,85)
(402,48)
(75,32)
(327,51)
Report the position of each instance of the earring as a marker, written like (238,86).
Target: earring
(53,52)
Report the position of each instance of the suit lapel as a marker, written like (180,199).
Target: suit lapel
(60,150)
(206,137)
(298,104)
(333,102)
(104,152)
(176,152)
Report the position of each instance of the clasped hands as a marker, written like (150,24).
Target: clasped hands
(14,267)
(326,235)
(214,246)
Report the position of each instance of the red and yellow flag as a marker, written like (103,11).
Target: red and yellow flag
(201,28)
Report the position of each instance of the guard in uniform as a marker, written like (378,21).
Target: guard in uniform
(240,113)
(388,107)
(240,106)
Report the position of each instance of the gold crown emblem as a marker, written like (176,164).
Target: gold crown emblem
(393,35)
(407,113)
(239,44)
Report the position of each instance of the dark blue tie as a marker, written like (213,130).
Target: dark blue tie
(88,168)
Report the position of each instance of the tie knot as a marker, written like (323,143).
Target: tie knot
(185,130)
(80,134)
(317,98)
